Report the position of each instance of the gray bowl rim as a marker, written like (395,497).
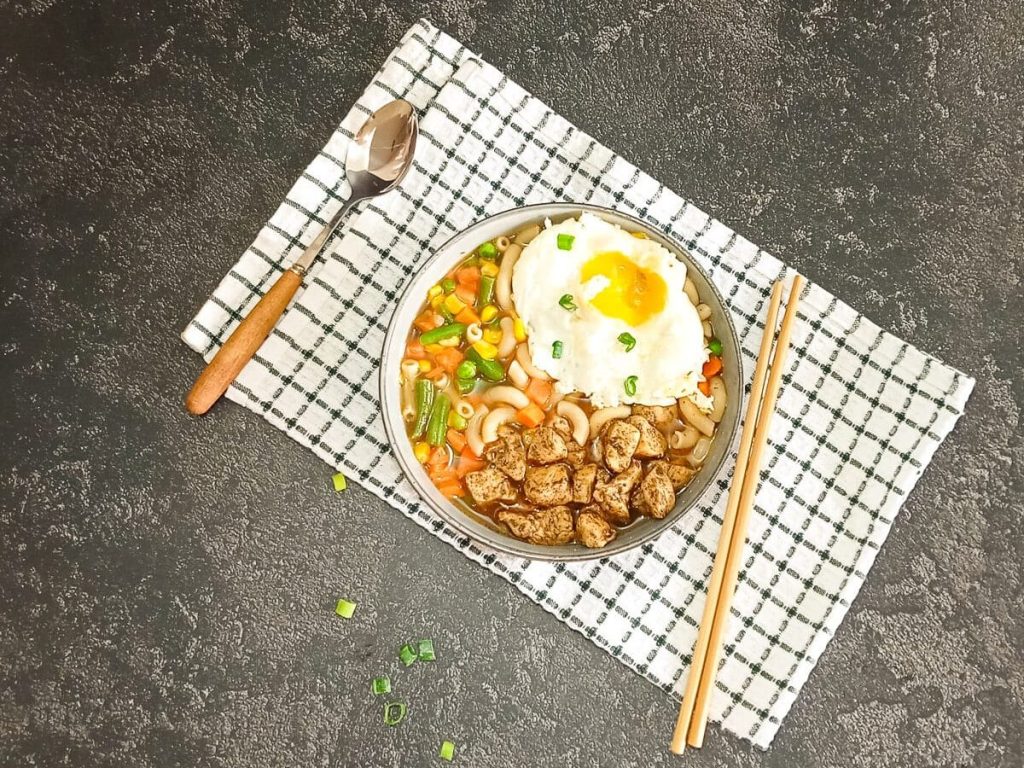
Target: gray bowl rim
(487,537)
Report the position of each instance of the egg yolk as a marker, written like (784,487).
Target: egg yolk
(633,295)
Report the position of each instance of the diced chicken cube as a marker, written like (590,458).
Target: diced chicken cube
(677,475)
(540,526)
(548,486)
(613,495)
(575,453)
(592,530)
(658,415)
(562,426)
(490,485)
(652,443)
(583,483)
(654,497)
(619,441)
(509,455)
(546,447)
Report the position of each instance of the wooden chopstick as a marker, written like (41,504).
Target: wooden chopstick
(728,524)
(698,720)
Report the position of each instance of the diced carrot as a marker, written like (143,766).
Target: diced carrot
(530,416)
(451,488)
(449,359)
(474,399)
(712,366)
(468,297)
(456,440)
(438,461)
(469,462)
(705,387)
(425,321)
(469,277)
(446,475)
(415,351)
(539,391)
(434,373)
(468,316)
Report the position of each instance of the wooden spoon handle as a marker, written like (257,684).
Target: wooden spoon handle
(242,345)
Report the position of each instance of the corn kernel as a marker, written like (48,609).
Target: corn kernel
(488,313)
(422,452)
(489,268)
(424,366)
(640,235)
(492,335)
(435,301)
(433,348)
(519,329)
(453,304)
(486,350)
(434,291)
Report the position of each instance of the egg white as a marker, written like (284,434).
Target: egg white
(669,351)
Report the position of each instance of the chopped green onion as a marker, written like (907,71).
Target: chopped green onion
(715,346)
(345,609)
(394,712)
(426,650)
(447,285)
(567,303)
(381,685)
(488,251)
(465,385)
(565,242)
(556,350)
(466,369)
(450,331)
(630,385)
(339,482)
(447,751)
(628,340)
(407,654)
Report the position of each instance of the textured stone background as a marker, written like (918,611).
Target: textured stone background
(166,583)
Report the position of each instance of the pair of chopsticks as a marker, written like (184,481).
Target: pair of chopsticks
(693,713)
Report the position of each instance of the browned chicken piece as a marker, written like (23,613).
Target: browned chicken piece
(540,526)
(620,441)
(613,495)
(658,415)
(509,455)
(654,497)
(490,485)
(583,483)
(652,443)
(547,446)
(677,475)
(506,430)
(548,486)
(562,426)
(592,530)
(575,453)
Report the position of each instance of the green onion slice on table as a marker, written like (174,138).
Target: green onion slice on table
(394,712)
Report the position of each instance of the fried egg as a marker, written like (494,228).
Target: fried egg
(606,314)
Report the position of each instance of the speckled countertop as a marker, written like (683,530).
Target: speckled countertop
(166,583)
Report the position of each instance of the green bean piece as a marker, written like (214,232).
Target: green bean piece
(465,385)
(450,331)
(486,289)
(489,369)
(424,400)
(438,423)
(466,369)
(447,285)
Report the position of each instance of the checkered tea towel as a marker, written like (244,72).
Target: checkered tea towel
(859,417)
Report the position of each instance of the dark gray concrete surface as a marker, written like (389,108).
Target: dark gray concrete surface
(166,583)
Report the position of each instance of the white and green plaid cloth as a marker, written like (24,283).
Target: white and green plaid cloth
(859,417)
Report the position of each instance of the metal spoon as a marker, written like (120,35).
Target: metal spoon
(378,159)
